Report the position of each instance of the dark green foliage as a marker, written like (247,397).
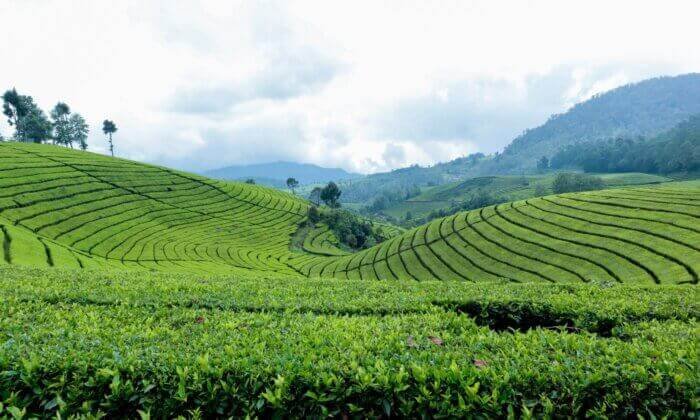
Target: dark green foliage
(250,181)
(292,184)
(315,196)
(109,128)
(78,131)
(543,164)
(35,126)
(350,229)
(387,197)
(330,195)
(29,120)
(314,214)
(568,182)
(15,108)
(62,130)
(647,108)
(675,151)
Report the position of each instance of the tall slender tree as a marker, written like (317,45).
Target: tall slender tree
(78,131)
(109,128)
(61,127)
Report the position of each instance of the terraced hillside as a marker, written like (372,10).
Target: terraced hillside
(60,207)
(636,235)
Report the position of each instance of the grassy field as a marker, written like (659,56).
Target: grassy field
(135,290)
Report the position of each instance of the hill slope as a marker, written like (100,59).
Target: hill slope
(276,173)
(633,235)
(61,207)
(646,108)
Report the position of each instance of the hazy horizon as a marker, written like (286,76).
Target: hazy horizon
(365,87)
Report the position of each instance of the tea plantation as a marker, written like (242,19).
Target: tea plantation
(135,290)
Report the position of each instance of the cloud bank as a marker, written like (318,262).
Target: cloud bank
(366,86)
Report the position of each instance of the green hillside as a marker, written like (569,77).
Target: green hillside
(130,290)
(65,208)
(60,207)
(503,187)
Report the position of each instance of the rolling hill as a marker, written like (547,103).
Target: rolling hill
(502,187)
(65,208)
(131,290)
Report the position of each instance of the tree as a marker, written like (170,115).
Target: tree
(543,164)
(62,130)
(78,131)
(15,108)
(35,126)
(568,182)
(292,184)
(29,120)
(330,195)
(250,181)
(315,196)
(109,128)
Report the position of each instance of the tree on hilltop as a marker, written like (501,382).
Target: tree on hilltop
(62,133)
(330,195)
(109,128)
(35,126)
(315,196)
(26,117)
(78,130)
(292,183)
(14,108)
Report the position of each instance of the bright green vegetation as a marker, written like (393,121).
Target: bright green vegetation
(565,305)
(65,208)
(322,241)
(116,342)
(633,235)
(503,188)
(60,207)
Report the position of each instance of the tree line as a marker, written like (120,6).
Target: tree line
(677,150)
(62,126)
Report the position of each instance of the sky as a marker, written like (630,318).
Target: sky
(363,85)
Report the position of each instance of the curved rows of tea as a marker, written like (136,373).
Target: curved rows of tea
(628,235)
(60,207)
(322,241)
(65,208)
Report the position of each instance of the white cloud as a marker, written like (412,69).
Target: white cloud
(364,85)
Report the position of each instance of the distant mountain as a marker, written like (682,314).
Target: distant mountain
(276,173)
(647,108)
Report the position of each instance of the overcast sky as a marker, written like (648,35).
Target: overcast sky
(366,86)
